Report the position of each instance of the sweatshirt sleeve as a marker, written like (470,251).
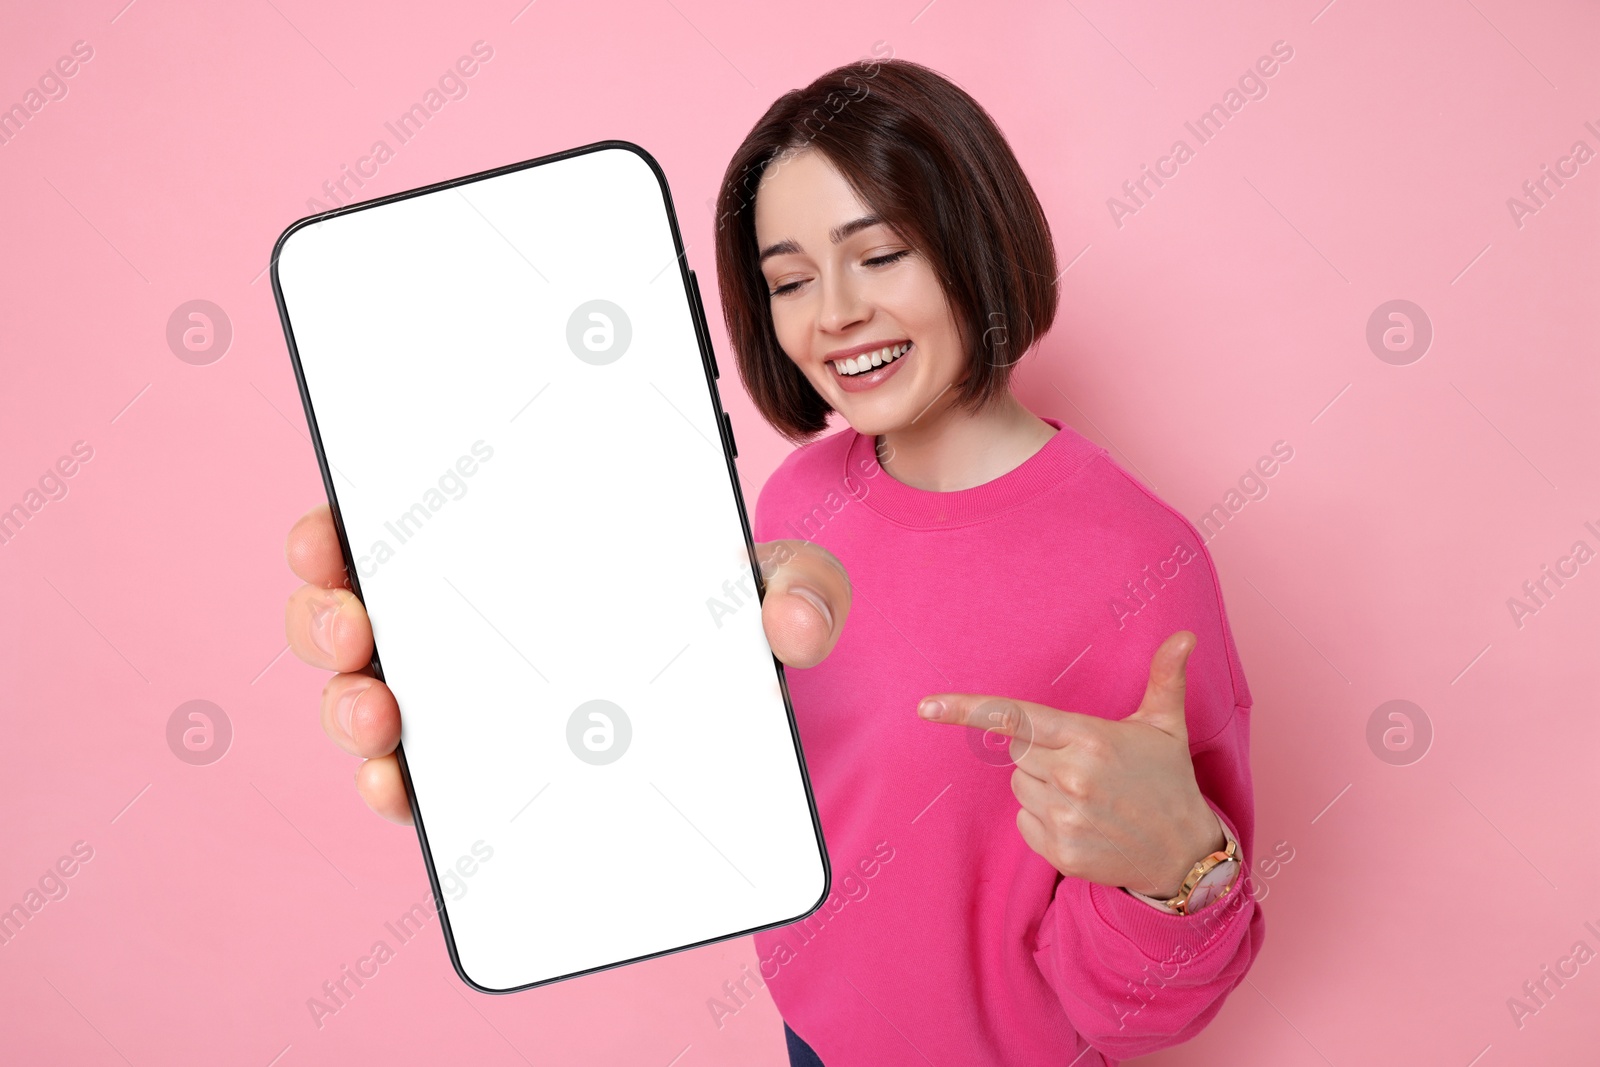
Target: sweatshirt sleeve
(1134,980)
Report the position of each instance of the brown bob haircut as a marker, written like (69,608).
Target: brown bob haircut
(927,159)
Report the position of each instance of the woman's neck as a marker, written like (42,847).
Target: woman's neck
(958,449)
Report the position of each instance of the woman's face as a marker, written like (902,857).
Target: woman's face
(838,284)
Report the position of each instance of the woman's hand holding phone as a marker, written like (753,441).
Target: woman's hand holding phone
(803,614)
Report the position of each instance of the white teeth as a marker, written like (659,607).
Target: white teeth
(867,360)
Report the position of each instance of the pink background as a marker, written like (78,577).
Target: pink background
(1228,313)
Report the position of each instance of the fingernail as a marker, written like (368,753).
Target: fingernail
(322,625)
(345,711)
(930,709)
(816,601)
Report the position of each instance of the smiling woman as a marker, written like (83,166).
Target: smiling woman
(892,265)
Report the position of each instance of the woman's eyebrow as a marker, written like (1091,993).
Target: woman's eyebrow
(837,234)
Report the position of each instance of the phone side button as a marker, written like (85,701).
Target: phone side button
(726,418)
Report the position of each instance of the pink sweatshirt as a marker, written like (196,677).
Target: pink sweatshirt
(946,939)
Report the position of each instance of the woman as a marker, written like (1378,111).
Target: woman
(1050,869)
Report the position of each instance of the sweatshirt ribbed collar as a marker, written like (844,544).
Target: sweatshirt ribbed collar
(1060,458)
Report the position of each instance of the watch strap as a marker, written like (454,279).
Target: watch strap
(1174,905)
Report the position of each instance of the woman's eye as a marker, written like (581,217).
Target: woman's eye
(876,261)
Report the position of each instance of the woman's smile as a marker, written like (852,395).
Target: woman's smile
(870,369)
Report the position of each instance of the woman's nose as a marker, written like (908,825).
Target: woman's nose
(842,306)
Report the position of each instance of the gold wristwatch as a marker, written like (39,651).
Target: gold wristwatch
(1207,881)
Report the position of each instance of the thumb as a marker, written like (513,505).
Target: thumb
(1162,706)
(807,600)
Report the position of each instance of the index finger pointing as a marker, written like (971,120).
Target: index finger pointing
(1021,719)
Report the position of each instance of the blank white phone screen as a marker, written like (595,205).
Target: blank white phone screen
(523,444)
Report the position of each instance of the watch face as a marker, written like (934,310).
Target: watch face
(1212,886)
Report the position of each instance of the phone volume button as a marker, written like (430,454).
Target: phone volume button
(728,421)
(700,319)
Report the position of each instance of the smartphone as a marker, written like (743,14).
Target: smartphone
(510,387)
